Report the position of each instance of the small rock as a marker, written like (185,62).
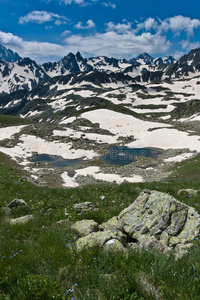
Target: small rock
(189,192)
(85,227)
(17,202)
(84,207)
(21,220)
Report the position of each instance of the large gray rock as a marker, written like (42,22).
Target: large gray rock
(21,220)
(154,220)
(17,202)
(84,207)
(157,219)
(85,227)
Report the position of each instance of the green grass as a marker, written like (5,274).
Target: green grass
(12,121)
(150,106)
(38,259)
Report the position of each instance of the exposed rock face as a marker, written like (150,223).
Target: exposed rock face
(17,202)
(84,207)
(155,220)
(85,227)
(159,215)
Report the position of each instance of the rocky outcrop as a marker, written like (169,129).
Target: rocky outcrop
(153,220)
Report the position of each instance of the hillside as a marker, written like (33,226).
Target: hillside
(99,130)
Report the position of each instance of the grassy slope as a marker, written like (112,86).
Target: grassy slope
(45,265)
(12,121)
(38,259)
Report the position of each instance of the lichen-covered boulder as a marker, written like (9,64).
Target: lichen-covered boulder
(159,216)
(17,202)
(85,227)
(21,220)
(84,207)
(99,238)
(112,224)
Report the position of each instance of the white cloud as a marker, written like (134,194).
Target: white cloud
(178,54)
(187,45)
(40,17)
(79,2)
(120,27)
(90,24)
(117,45)
(39,51)
(109,4)
(66,32)
(125,45)
(177,24)
(180,23)
(88,2)
(148,24)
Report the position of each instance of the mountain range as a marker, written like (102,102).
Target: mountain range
(52,91)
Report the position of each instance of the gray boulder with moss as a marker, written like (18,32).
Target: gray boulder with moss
(17,202)
(21,220)
(159,220)
(100,238)
(85,227)
(154,220)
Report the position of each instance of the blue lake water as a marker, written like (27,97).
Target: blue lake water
(119,156)
(56,161)
(122,156)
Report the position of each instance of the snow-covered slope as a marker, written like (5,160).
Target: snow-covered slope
(23,74)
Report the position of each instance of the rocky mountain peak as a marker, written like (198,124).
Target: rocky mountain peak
(8,55)
(148,59)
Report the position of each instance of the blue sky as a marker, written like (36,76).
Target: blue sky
(47,30)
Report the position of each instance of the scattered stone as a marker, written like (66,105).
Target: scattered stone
(21,220)
(85,227)
(17,202)
(84,207)
(189,192)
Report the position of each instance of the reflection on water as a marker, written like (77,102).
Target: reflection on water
(120,156)
(124,156)
(56,161)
